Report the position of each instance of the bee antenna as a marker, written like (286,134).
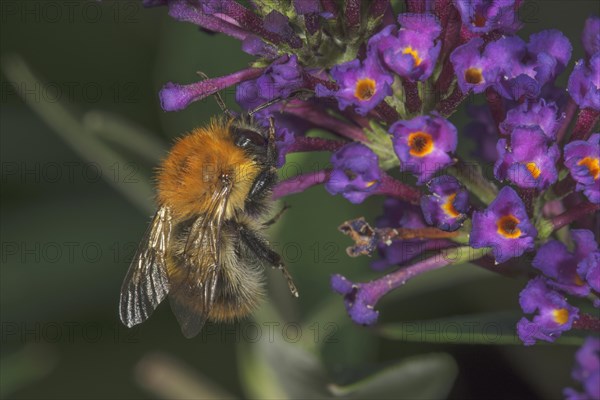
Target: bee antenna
(269,103)
(265,105)
(217,96)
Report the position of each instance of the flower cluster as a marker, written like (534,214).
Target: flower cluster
(386,86)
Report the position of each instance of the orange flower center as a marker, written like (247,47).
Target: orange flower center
(560,316)
(365,89)
(414,53)
(420,143)
(592,164)
(448,206)
(473,76)
(578,280)
(507,227)
(533,169)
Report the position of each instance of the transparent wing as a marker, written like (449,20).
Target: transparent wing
(146,283)
(194,288)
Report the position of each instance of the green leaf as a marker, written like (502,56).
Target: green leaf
(275,369)
(380,142)
(481,329)
(428,376)
(471,176)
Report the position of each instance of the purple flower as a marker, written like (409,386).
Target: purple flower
(526,68)
(174,97)
(256,46)
(583,160)
(474,71)
(589,269)
(279,80)
(411,51)
(551,50)
(359,299)
(586,371)
(303,7)
(279,24)
(482,16)
(446,208)
(361,84)
(183,10)
(527,160)
(584,83)
(556,262)
(356,174)
(504,226)
(399,214)
(285,139)
(532,114)
(424,145)
(553,314)
(591,36)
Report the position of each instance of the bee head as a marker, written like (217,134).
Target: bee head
(252,138)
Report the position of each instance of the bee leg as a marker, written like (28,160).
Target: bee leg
(276,216)
(271,146)
(217,95)
(262,250)
(259,190)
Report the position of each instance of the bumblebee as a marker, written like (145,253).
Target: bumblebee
(204,248)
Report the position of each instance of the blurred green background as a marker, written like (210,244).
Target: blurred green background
(70,223)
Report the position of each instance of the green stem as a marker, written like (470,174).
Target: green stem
(472,177)
(76,134)
(117,130)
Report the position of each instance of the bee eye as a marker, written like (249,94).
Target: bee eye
(245,137)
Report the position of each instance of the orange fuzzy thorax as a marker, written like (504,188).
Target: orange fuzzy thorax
(192,171)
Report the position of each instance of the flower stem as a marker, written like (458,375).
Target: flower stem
(586,120)
(378,8)
(496,104)
(447,106)
(451,23)
(573,214)
(312,82)
(321,118)
(416,6)
(587,322)
(456,255)
(570,111)
(471,175)
(352,14)
(300,183)
(305,143)
(564,186)
(330,6)
(413,102)
(387,112)
(394,188)
(367,239)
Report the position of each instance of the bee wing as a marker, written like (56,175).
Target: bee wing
(146,283)
(193,292)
